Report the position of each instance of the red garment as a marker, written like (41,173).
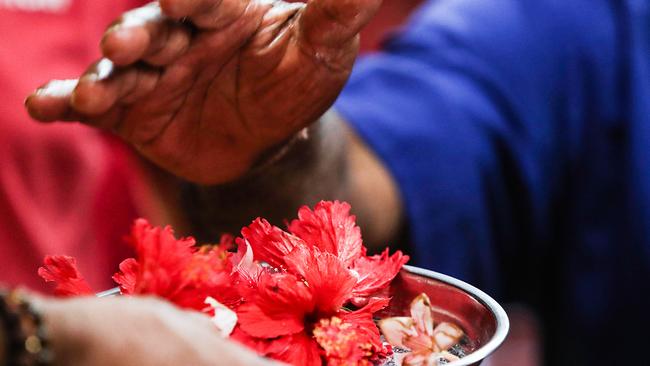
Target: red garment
(391,15)
(63,188)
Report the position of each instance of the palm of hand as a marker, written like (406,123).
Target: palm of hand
(205,102)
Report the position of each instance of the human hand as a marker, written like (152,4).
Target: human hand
(205,100)
(136,331)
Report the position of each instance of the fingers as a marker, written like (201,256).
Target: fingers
(51,102)
(98,89)
(169,46)
(178,9)
(145,34)
(330,23)
(207,14)
(103,86)
(94,97)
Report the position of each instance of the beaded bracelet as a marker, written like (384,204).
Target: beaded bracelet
(26,343)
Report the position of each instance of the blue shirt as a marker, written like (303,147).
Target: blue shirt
(518,132)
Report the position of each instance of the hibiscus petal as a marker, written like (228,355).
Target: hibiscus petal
(208,273)
(297,349)
(363,321)
(243,257)
(375,273)
(62,270)
(162,258)
(283,293)
(227,242)
(255,322)
(243,263)
(374,305)
(175,269)
(446,335)
(127,276)
(397,329)
(192,296)
(346,343)
(328,279)
(210,266)
(270,244)
(420,359)
(276,306)
(421,343)
(259,345)
(331,228)
(414,332)
(422,315)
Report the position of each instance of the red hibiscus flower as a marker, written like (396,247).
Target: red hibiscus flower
(161,260)
(299,319)
(175,269)
(294,311)
(62,270)
(351,338)
(331,229)
(374,274)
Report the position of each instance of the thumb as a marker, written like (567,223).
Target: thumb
(330,23)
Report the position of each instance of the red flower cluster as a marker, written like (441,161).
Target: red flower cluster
(293,292)
(174,269)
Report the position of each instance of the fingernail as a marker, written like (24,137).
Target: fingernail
(104,68)
(107,33)
(55,88)
(88,77)
(98,72)
(117,30)
(113,28)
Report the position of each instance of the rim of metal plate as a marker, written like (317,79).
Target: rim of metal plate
(502,321)
(115,291)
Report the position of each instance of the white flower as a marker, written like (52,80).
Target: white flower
(224,318)
(428,344)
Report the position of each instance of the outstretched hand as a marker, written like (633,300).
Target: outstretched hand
(204,87)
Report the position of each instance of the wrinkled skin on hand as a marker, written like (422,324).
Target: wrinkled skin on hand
(204,87)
